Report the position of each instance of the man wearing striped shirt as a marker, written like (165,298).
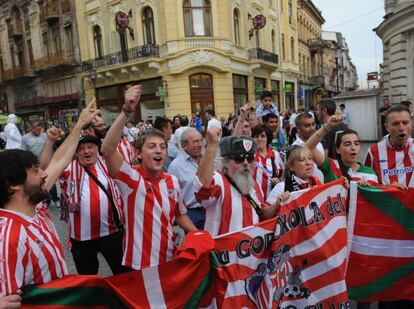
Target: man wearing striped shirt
(29,245)
(184,167)
(152,200)
(393,157)
(231,197)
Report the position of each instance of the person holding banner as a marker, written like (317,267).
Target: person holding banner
(298,173)
(231,197)
(346,152)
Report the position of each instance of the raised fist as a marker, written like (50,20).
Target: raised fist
(132,97)
(213,136)
(54,133)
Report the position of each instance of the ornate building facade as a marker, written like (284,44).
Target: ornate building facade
(40,61)
(311,51)
(188,55)
(397,34)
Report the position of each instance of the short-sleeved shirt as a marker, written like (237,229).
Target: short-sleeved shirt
(30,250)
(392,164)
(150,208)
(34,143)
(266,168)
(331,172)
(226,208)
(261,110)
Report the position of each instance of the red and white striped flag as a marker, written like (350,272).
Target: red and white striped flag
(293,261)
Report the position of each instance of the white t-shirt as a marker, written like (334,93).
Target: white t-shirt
(316,171)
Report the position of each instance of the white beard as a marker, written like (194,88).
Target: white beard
(242,178)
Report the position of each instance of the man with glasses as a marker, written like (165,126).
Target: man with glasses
(184,167)
(231,198)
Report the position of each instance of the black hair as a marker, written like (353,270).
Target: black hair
(406,103)
(184,121)
(211,112)
(161,122)
(397,109)
(342,105)
(337,143)
(329,105)
(14,165)
(269,116)
(259,129)
(266,94)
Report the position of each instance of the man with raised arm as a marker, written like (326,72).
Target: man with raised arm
(231,197)
(152,199)
(30,247)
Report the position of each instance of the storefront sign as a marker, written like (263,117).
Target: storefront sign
(122,20)
(259,89)
(161,93)
(288,88)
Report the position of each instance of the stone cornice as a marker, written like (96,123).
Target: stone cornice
(396,23)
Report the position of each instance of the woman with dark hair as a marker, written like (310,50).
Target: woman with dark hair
(268,165)
(346,150)
(298,173)
(176,122)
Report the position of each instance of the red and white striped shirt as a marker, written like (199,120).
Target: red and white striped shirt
(126,150)
(94,217)
(226,209)
(30,251)
(392,164)
(265,170)
(150,208)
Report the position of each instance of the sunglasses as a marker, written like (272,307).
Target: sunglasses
(337,133)
(240,159)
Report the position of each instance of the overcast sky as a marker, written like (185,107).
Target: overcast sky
(355,19)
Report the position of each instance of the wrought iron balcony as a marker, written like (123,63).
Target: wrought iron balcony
(54,60)
(318,81)
(316,44)
(132,54)
(15,72)
(15,29)
(258,53)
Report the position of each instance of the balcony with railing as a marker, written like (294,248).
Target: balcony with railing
(316,44)
(49,12)
(318,81)
(261,54)
(16,72)
(133,54)
(54,60)
(15,29)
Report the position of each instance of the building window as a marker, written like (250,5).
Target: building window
(97,39)
(290,11)
(56,38)
(148,26)
(283,47)
(197,18)
(239,91)
(30,49)
(45,40)
(292,49)
(273,40)
(69,38)
(236,26)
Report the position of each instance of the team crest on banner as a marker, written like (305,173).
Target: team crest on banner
(247,145)
(296,260)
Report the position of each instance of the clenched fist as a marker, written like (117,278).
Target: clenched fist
(213,136)
(132,97)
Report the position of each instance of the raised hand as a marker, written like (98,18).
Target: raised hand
(334,120)
(244,111)
(88,113)
(213,136)
(54,133)
(132,97)
(282,198)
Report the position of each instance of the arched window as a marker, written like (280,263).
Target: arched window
(236,26)
(292,49)
(283,47)
(97,39)
(148,26)
(272,39)
(197,18)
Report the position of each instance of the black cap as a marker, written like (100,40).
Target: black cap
(90,139)
(237,146)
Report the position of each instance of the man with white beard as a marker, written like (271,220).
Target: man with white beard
(231,198)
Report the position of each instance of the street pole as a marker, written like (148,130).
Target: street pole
(337,76)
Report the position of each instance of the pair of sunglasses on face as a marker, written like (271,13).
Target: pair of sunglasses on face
(240,159)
